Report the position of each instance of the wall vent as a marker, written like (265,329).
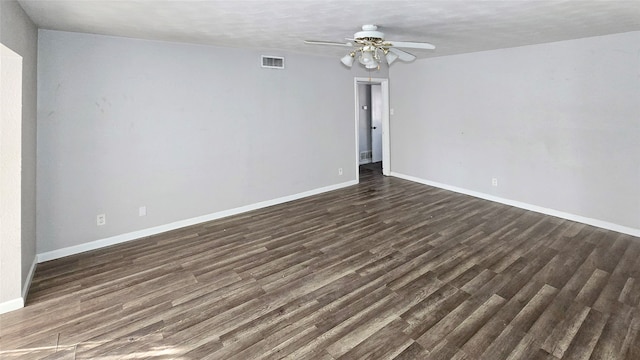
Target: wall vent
(365,155)
(272,62)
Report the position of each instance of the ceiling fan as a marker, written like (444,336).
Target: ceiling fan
(369,43)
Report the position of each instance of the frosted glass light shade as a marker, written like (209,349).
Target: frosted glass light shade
(348,60)
(367,58)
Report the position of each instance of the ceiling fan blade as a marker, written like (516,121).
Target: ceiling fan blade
(411,45)
(402,55)
(331,43)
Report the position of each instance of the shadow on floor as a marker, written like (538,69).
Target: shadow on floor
(375,167)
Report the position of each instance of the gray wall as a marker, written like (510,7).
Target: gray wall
(558,124)
(18,33)
(185,130)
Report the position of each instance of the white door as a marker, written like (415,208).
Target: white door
(376,122)
(364,129)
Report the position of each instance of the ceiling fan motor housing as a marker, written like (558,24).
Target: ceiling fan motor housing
(369,31)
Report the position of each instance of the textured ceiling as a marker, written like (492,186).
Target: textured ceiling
(453,26)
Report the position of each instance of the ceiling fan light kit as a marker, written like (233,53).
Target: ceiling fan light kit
(368,58)
(349,59)
(369,43)
(390,57)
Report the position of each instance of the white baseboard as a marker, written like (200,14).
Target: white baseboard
(97,244)
(27,281)
(18,303)
(11,305)
(525,206)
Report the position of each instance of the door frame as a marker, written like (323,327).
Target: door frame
(386,154)
(12,288)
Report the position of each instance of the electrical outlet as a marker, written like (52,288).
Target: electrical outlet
(101,219)
(142,211)
(494,181)
(339,171)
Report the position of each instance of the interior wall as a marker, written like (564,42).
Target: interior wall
(185,130)
(19,34)
(557,124)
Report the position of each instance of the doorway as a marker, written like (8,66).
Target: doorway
(372,124)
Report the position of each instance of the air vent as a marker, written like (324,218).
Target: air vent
(272,62)
(365,155)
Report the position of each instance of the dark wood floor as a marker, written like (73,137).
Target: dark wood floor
(387,269)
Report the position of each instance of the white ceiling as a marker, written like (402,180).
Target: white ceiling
(453,26)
